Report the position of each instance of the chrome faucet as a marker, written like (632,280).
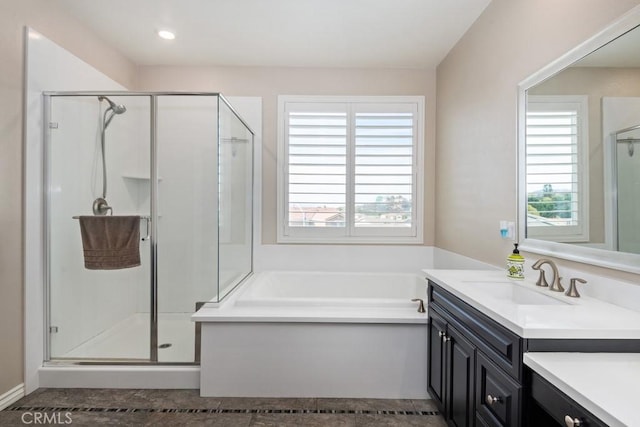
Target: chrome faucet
(420,305)
(542,281)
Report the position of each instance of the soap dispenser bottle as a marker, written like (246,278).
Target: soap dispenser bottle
(515,264)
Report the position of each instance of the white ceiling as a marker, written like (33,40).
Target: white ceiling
(294,33)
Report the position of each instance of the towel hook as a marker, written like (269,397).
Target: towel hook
(148,236)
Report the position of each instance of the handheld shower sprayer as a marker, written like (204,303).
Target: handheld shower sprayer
(116,108)
(113,108)
(100,205)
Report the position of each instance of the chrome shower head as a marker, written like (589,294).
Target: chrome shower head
(116,108)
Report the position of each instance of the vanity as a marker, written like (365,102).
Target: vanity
(510,353)
(499,351)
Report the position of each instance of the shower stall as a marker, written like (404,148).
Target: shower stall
(183,164)
(621,154)
(626,183)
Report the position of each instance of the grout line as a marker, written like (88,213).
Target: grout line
(221,411)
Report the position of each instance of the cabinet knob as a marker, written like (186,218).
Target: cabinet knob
(572,422)
(492,399)
(441,334)
(446,338)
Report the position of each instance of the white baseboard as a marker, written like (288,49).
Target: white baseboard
(11,396)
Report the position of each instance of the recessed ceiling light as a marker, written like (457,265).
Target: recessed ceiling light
(166,34)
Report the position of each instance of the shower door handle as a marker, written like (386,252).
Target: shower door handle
(148,220)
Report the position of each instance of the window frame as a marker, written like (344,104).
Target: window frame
(567,233)
(350,234)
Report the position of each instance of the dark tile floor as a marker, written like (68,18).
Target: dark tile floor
(118,407)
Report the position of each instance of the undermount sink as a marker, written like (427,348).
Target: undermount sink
(518,295)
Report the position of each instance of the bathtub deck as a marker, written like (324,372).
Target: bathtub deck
(310,315)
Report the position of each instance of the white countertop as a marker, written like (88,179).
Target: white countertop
(582,317)
(605,384)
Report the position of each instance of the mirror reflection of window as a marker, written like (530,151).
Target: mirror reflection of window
(556,147)
(605,70)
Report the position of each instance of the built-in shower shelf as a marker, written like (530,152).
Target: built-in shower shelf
(138,176)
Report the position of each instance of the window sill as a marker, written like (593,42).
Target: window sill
(352,240)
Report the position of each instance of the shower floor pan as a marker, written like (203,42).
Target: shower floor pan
(129,339)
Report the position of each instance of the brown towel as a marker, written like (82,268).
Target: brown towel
(110,242)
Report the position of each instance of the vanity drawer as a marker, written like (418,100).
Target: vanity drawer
(480,422)
(558,405)
(503,346)
(498,397)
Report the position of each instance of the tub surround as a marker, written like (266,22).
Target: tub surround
(603,383)
(569,318)
(346,347)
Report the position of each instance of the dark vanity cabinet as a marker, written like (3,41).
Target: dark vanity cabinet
(551,407)
(474,367)
(476,373)
(451,371)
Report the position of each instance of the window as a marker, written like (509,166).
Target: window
(557,148)
(350,169)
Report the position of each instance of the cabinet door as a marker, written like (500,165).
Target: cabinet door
(460,363)
(436,356)
(498,396)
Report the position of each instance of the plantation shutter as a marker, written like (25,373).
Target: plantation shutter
(317,165)
(348,170)
(384,165)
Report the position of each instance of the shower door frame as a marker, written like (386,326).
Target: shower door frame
(153,226)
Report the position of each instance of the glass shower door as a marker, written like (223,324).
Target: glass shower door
(183,163)
(235,195)
(101,314)
(628,195)
(187,218)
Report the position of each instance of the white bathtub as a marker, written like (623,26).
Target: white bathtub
(321,289)
(317,334)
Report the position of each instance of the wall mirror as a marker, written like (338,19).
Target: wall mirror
(579,152)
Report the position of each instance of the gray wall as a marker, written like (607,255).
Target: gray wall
(477,86)
(269,82)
